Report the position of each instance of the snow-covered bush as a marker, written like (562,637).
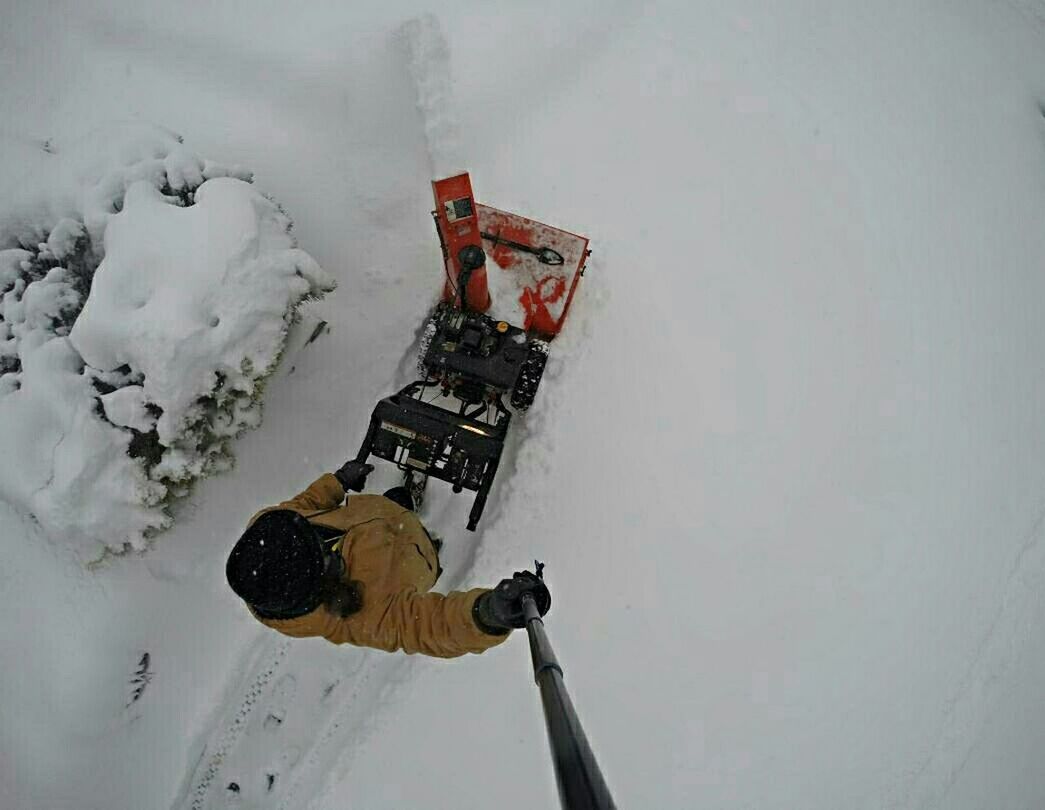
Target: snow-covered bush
(145,296)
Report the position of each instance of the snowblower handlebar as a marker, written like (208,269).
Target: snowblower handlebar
(423,437)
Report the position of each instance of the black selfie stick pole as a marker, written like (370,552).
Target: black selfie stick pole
(581,786)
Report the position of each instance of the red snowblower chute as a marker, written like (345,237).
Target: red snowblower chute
(537,266)
(487,338)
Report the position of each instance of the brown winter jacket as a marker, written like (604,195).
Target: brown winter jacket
(388,550)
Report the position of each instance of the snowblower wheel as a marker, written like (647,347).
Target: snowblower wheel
(431,328)
(530,375)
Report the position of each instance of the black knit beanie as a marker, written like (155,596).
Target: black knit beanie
(277,565)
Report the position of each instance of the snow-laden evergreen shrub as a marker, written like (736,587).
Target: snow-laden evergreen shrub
(145,297)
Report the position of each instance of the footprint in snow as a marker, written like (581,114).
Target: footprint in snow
(279,698)
(271,775)
(289,758)
(328,690)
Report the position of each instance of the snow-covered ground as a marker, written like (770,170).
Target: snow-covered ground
(787,467)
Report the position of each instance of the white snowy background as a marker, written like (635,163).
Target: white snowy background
(787,467)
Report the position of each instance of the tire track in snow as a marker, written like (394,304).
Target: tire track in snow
(209,767)
(996,654)
(350,726)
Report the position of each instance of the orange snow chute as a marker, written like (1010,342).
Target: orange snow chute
(536,267)
(458,225)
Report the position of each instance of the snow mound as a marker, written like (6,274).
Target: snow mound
(427,53)
(74,475)
(84,179)
(148,298)
(196,299)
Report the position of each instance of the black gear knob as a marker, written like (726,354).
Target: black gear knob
(471,257)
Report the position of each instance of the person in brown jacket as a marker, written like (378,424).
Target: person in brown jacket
(361,572)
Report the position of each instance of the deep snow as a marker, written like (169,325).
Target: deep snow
(786,469)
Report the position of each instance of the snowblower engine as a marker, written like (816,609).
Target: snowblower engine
(451,424)
(476,358)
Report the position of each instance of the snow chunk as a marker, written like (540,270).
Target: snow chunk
(126,407)
(73,472)
(63,238)
(187,296)
(47,302)
(213,170)
(11,266)
(183,169)
(41,309)
(179,465)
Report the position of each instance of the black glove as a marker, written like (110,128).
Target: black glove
(498,611)
(352,475)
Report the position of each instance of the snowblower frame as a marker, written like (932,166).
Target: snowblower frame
(471,361)
(458,448)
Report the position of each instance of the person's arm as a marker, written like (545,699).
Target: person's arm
(325,492)
(428,623)
(434,624)
(328,491)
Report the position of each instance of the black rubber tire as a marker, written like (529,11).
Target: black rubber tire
(529,379)
(428,332)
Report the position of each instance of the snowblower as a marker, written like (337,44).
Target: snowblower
(477,349)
